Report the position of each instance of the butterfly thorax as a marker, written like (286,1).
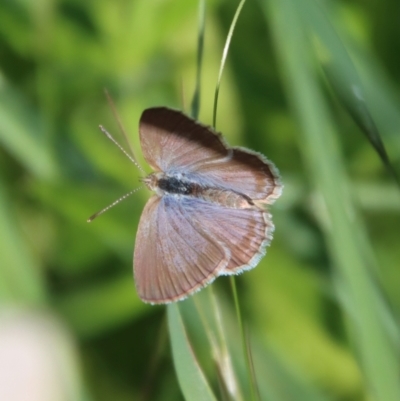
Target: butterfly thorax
(180,186)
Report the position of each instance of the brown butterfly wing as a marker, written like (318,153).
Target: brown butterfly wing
(171,140)
(245,172)
(173,256)
(244,232)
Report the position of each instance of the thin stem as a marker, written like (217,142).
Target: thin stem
(253,387)
(195,107)
(233,387)
(223,59)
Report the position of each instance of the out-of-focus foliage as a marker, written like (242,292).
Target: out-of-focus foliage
(318,307)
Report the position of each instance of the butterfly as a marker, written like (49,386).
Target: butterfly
(208,214)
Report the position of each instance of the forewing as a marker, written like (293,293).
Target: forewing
(245,232)
(171,140)
(245,172)
(173,257)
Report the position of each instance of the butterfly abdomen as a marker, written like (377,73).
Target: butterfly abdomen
(226,198)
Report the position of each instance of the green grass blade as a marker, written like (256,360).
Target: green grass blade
(20,278)
(191,379)
(195,106)
(20,135)
(249,366)
(342,75)
(213,321)
(378,354)
(277,378)
(223,59)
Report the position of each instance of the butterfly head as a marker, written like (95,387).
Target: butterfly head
(151,181)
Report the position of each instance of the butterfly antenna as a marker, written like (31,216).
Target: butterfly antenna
(111,138)
(121,127)
(92,217)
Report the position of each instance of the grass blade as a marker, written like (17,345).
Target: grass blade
(191,379)
(195,107)
(19,273)
(378,354)
(343,76)
(20,135)
(223,59)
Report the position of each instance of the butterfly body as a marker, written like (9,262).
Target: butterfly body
(181,186)
(207,217)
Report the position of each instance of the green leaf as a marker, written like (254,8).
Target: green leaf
(191,378)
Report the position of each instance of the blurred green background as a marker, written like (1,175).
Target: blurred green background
(322,308)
